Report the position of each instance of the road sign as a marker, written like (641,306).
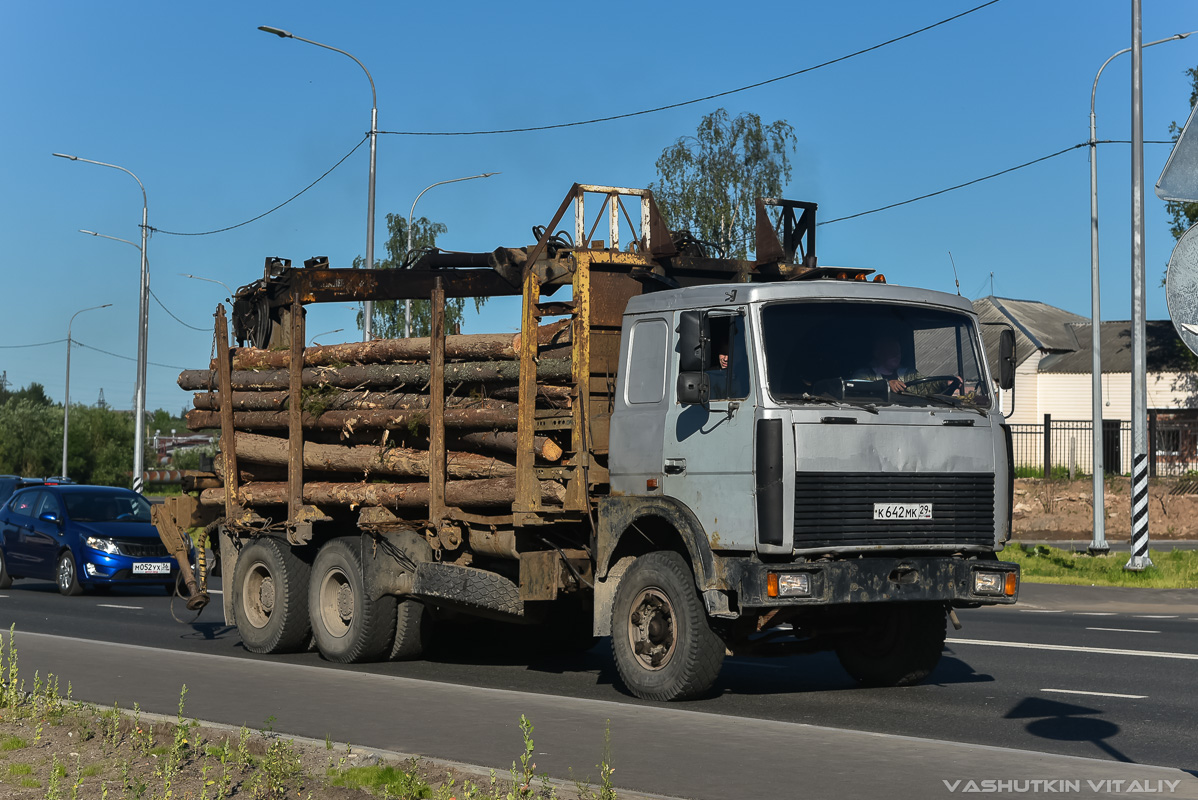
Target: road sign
(1181,288)
(1179,178)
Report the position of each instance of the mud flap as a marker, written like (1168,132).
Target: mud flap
(470,590)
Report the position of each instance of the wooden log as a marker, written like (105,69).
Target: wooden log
(487,493)
(341,401)
(363,375)
(472,347)
(366,460)
(349,421)
(505,442)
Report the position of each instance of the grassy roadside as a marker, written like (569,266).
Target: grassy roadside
(1172,569)
(56,748)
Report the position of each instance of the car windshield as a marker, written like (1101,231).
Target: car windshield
(872,353)
(106,507)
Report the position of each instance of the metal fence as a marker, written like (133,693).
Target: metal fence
(1065,447)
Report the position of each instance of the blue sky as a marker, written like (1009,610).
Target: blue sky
(221,122)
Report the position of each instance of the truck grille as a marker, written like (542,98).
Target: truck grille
(836,509)
(142,548)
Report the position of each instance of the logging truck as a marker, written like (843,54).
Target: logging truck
(691,454)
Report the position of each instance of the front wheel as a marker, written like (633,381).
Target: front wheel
(349,627)
(899,646)
(663,644)
(67,575)
(270,597)
(5,577)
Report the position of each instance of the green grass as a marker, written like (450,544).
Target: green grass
(390,781)
(1172,569)
(13,743)
(30,783)
(16,770)
(94,769)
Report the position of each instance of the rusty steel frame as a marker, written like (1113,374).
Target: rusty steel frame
(224,389)
(295,416)
(436,442)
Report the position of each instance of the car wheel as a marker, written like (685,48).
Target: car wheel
(5,578)
(270,597)
(349,627)
(67,575)
(663,644)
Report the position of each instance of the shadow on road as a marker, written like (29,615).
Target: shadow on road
(1065,722)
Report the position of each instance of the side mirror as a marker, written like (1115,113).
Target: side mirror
(49,516)
(1006,359)
(694,343)
(694,388)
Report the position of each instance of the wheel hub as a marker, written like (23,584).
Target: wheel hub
(345,602)
(266,595)
(651,631)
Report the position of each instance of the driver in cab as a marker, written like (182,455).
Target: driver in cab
(885,364)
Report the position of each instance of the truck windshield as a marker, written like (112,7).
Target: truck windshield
(876,353)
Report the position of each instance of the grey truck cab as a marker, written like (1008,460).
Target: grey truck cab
(833,455)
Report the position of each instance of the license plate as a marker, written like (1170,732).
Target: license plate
(902,510)
(151,568)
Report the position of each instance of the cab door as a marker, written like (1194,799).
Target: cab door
(708,450)
(43,536)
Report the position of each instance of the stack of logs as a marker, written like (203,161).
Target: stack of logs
(366,413)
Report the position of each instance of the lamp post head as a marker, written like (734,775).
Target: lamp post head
(282,34)
(64,155)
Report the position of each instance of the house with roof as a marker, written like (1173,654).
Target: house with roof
(1053,374)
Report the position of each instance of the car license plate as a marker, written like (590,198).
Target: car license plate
(151,568)
(902,510)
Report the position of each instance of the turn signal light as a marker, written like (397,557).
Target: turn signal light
(771,584)
(650,483)
(879,278)
(1011,584)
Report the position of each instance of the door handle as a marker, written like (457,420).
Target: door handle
(675,466)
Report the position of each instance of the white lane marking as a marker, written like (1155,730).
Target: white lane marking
(1121,630)
(1156,616)
(1093,613)
(4,596)
(110,605)
(1042,610)
(1110,651)
(1097,694)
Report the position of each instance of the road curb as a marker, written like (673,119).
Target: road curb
(1114,599)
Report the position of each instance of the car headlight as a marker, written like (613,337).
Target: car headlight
(103,545)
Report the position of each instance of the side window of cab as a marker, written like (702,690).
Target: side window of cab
(729,364)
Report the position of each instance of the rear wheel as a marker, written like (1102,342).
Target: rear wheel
(5,577)
(66,575)
(899,647)
(270,597)
(413,620)
(663,644)
(349,627)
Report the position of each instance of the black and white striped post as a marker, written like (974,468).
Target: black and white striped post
(1139,360)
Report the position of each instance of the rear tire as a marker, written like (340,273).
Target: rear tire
(5,578)
(348,626)
(66,576)
(270,597)
(900,647)
(663,643)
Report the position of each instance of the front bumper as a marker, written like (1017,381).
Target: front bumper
(874,580)
(96,567)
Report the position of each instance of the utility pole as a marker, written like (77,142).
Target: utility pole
(1139,357)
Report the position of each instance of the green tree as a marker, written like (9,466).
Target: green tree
(707,183)
(1183,215)
(389,314)
(30,438)
(100,450)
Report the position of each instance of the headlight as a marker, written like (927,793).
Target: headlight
(788,584)
(988,582)
(103,545)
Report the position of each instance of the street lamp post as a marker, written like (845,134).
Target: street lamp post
(210,280)
(66,403)
(368,306)
(407,304)
(312,341)
(143,330)
(1098,544)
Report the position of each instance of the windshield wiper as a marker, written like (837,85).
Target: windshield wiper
(827,398)
(945,401)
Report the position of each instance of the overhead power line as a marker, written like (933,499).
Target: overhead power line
(172,314)
(978,180)
(124,358)
(276,208)
(698,99)
(37,344)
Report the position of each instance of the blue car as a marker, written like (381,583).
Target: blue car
(82,537)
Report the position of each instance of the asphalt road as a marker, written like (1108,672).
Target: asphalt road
(1064,674)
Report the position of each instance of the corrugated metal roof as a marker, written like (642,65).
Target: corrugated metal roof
(1165,350)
